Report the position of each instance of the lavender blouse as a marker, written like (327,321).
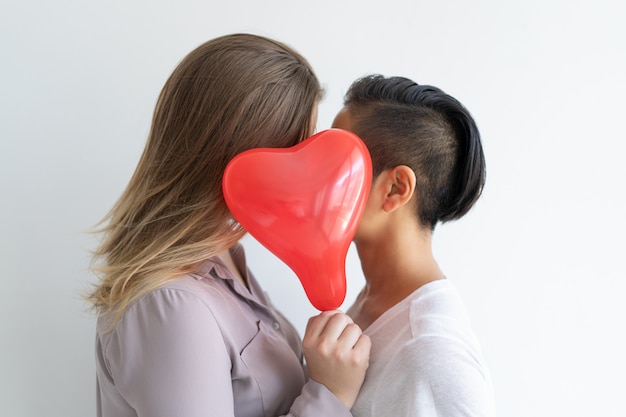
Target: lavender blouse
(204,345)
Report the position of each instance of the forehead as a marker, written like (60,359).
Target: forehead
(343,120)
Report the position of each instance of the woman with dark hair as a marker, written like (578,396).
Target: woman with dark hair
(184,329)
(428,167)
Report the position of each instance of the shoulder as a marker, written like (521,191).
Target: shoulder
(437,310)
(176,298)
(169,309)
(434,375)
(440,328)
(442,364)
(167,351)
(189,308)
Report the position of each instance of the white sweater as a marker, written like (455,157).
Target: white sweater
(426,360)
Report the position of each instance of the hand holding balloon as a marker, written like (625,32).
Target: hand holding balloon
(303,204)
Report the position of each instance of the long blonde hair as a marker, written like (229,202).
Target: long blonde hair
(230,94)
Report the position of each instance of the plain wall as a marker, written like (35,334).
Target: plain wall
(539,261)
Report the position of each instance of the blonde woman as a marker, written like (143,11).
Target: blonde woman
(184,328)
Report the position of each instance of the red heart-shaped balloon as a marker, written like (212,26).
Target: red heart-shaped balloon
(303,204)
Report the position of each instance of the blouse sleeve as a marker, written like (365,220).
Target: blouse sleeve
(167,358)
(315,401)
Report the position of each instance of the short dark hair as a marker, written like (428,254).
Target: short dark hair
(420,126)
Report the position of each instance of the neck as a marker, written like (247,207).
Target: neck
(393,270)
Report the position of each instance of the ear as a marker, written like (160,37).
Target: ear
(401,187)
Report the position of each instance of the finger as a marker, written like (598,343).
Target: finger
(363,346)
(350,335)
(335,326)
(359,353)
(316,324)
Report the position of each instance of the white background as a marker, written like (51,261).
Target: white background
(539,261)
